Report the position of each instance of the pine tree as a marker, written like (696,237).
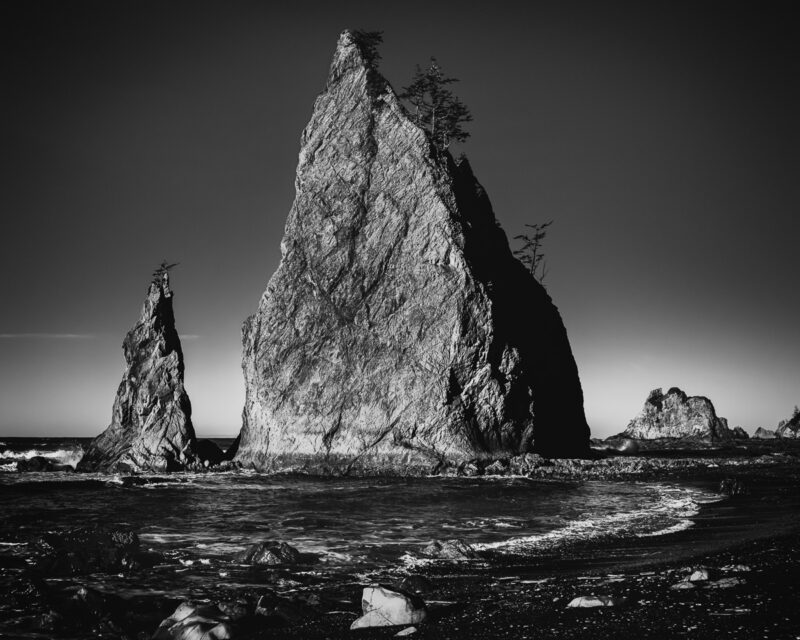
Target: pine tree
(368,42)
(435,108)
(530,253)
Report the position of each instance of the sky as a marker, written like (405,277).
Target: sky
(662,139)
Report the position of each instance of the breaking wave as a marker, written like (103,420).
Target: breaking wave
(672,511)
(70,456)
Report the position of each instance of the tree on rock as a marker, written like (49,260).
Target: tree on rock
(530,253)
(435,108)
(368,42)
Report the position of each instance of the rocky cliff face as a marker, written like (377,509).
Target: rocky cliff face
(398,330)
(789,428)
(151,426)
(674,415)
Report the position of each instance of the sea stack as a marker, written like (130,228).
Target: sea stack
(675,415)
(399,333)
(151,426)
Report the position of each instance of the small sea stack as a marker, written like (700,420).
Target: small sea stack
(676,415)
(151,425)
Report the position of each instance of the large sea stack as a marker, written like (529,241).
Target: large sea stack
(398,332)
(675,415)
(151,426)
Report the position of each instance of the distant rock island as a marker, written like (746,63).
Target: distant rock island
(675,415)
(398,331)
(151,425)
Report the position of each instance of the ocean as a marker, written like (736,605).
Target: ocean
(351,526)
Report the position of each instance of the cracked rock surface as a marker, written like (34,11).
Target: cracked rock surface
(151,426)
(398,332)
(676,415)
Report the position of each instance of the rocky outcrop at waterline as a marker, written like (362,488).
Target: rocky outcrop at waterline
(398,331)
(789,428)
(151,425)
(675,415)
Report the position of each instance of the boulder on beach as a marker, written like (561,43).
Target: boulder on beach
(384,607)
(151,426)
(590,602)
(399,331)
(676,415)
(270,552)
(192,621)
(450,550)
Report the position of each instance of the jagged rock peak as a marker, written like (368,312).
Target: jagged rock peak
(398,330)
(789,428)
(151,425)
(675,415)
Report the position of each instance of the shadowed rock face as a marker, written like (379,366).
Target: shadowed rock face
(398,331)
(151,426)
(675,415)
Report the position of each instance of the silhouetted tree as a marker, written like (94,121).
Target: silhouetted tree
(530,253)
(163,271)
(368,42)
(435,108)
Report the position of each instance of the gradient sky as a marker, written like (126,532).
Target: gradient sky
(662,139)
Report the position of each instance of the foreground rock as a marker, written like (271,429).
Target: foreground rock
(384,607)
(151,425)
(450,550)
(590,602)
(674,415)
(269,553)
(195,622)
(398,331)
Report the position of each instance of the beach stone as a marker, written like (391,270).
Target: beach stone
(193,621)
(740,434)
(269,553)
(737,568)
(702,574)
(86,550)
(384,607)
(151,426)
(675,415)
(399,331)
(682,585)
(408,631)
(726,583)
(588,602)
(450,550)
(497,468)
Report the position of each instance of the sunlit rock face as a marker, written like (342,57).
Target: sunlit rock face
(399,331)
(674,415)
(789,428)
(151,426)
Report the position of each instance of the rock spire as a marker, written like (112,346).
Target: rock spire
(398,332)
(151,425)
